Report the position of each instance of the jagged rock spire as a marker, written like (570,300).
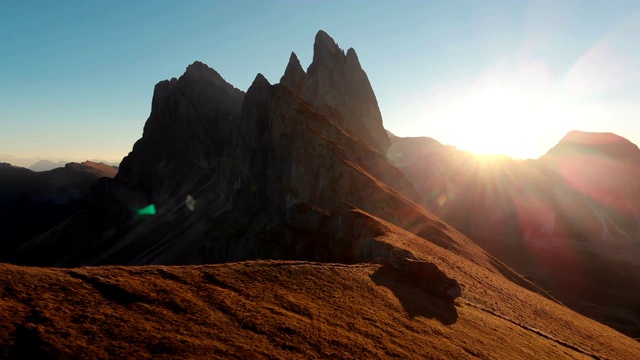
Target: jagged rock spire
(294,76)
(336,85)
(326,52)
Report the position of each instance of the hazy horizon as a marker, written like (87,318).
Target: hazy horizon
(497,77)
(28,161)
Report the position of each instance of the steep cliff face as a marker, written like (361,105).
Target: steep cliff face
(336,86)
(193,123)
(187,143)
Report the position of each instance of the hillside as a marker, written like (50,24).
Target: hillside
(568,220)
(269,309)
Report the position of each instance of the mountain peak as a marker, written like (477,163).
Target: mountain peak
(200,70)
(260,79)
(336,85)
(193,120)
(321,34)
(198,66)
(324,39)
(592,138)
(294,76)
(325,50)
(293,58)
(352,56)
(605,144)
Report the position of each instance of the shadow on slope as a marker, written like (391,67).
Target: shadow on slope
(416,301)
(284,309)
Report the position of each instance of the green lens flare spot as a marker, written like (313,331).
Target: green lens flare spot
(148,210)
(190,202)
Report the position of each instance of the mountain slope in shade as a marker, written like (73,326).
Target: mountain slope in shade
(193,124)
(32,202)
(568,219)
(270,309)
(266,174)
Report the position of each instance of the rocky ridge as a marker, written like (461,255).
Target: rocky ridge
(569,219)
(336,86)
(281,172)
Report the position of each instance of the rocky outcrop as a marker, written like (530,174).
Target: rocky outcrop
(336,86)
(192,126)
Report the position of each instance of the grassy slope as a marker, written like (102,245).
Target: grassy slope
(289,310)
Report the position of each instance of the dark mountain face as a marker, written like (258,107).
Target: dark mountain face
(32,202)
(336,86)
(296,170)
(569,219)
(193,123)
(187,141)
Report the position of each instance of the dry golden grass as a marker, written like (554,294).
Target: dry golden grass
(269,309)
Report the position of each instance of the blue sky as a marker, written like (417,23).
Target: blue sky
(76,77)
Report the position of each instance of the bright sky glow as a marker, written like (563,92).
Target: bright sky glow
(521,107)
(76,78)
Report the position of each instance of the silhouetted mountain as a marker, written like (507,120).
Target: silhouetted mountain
(294,171)
(44,165)
(32,202)
(223,176)
(336,85)
(570,219)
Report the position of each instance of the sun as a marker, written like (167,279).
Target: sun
(523,104)
(520,111)
(502,119)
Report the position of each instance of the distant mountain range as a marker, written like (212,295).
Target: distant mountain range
(32,202)
(377,246)
(570,219)
(44,164)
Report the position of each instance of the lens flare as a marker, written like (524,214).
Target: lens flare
(147,210)
(190,202)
